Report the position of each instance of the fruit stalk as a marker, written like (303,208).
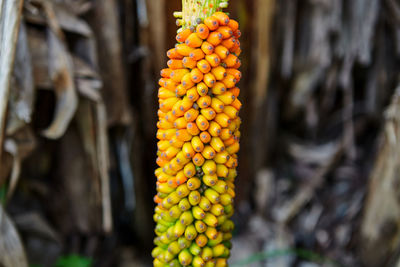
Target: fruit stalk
(198,132)
(192,10)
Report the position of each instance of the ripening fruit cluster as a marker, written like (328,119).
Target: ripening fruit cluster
(198,132)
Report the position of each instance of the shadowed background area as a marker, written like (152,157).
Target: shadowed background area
(318,180)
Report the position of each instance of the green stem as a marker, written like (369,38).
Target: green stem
(192,10)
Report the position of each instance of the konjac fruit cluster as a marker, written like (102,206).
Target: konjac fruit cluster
(198,132)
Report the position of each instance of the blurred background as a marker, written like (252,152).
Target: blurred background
(319,181)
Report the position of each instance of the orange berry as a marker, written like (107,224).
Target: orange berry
(180,178)
(238,64)
(170,117)
(189,170)
(176,75)
(173,54)
(162,145)
(175,64)
(157,199)
(185,104)
(181,37)
(208,113)
(175,166)
(169,84)
(197,54)
(225,31)
(167,104)
(165,134)
(183,49)
(207,48)
(180,123)
(193,40)
(176,111)
(171,152)
(218,88)
(215,38)
(211,22)
(192,128)
(162,82)
(180,90)
(161,114)
(235,46)
(209,79)
(225,134)
(202,123)
(208,152)
(221,51)
(189,63)
(198,159)
(237,33)
(202,89)
(175,142)
(231,111)
(233,24)
(213,59)
(221,17)
(234,148)
(164,93)
(183,135)
(229,81)
(202,31)
(235,91)
(204,101)
(222,157)
(192,94)
(217,105)
(203,66)
(165,73)
(188,150)
(160,161)
(234,72)
(214,129)
(237,104)
(181,159)
(187,81)
(197,144)
(229,43)
(231,60)
(171,183)
(205,137)
(196,75)
(223,120)
(237,51)
(219,72)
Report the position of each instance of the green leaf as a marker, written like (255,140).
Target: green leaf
(73,260)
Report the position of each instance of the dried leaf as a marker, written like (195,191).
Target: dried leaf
(104,165)
(22,95)
(87,80)
(70,22)
(12,253)
(382,209)
(18,146)
(10,13)
(66,19)
(93,129)
(39,54)
(34,223)
(61,71)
